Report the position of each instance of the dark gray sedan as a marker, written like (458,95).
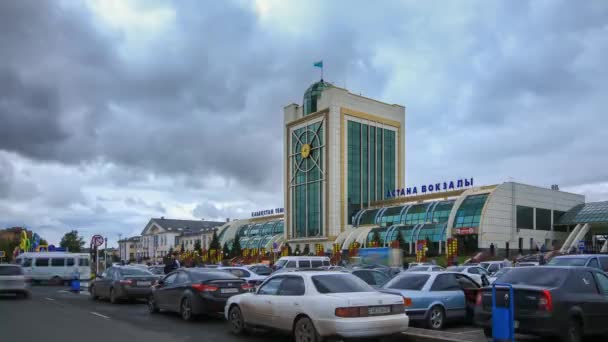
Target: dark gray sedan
(123,282)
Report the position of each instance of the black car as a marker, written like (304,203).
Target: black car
(122,282)
(157,269)
(565,302)
(262,270)
(374,278)
(192,292)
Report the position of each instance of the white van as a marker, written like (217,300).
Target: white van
(294,262)
(56,267)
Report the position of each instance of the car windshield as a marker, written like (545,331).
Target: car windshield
(262,271)
(485,265)
(408,282)
(549,277)
(418,269)
(281,263)
(134,272)
(340,283)
(456,268)
(10,270)
(567,262)
(502,271)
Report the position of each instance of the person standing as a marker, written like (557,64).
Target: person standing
(492,249)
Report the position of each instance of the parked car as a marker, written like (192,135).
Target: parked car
(54,267)
(494,266)
(13,281)
(157,269)
(122,282)
(414,264)
(373,278)
(246,274)
(565,302)
(433,298)
(527,264)
(295,262)
(317,304)
(425,268)
(262,270)
(589,260)
(493,277)
(191,292)
(389,271)
(474,272)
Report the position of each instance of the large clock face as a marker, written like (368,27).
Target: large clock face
(307,146)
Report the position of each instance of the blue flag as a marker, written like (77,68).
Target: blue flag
(318,64)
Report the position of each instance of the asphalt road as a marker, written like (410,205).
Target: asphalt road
(53,314)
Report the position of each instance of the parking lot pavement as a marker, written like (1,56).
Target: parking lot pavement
(54,311)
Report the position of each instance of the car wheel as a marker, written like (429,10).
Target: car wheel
(113,298)
(24,295)
(574,333)
(92,294)
(185,309)
(56,281)
(487,332)
(237,323)
(436,318)
(152,308)
(304,331)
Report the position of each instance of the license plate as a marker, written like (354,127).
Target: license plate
(229,290)
(378,310)
(515,324)
(144,283)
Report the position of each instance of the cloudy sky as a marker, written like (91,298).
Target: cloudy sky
(112,112)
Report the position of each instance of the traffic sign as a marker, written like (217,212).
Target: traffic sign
(97,240)
(2,254)
(581,246)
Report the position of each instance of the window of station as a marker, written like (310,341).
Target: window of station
(255,230)
(559,227)
(381,234)
(469,212)
(278,228)
(525,217)
(368,217)
(435,233)
(416,214)
(390,216)
(441,213)
(543,219)
(267,228)
(265,241)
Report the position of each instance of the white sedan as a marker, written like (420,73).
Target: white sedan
(474,272)
(246,274)
(318,304)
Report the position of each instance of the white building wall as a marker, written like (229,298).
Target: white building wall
(498,225)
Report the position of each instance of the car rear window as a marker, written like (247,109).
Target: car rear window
(215,274)
(263,271)
(567,262)
(549,277)
(418,269)
(134,272)
(456,269)
(340,283)
(10,270)
(316,263)
(408,282)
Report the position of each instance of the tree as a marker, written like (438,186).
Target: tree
(215,242)
(400,239)
(8,246)
(197,246)
(225,251)
(237,251)
(376,238)
(183,249)
(43,242)
(72,242)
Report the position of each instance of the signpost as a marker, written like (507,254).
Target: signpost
(97,240)
(581,246)
(2,255)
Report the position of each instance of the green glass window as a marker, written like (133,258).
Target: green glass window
(368,217)
(390,216)
(441,213)
(278,228)
(379,146)
(354,168)
(525,217)
(416,214)
(556,217)
(307,181)
(389,161)
(469,212)
(364,165)
(372,164)
(432,232)
(543,219)
(381,233)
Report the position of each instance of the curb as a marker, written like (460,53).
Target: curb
(432,335)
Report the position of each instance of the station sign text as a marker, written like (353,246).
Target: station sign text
(268,212)
(431,188)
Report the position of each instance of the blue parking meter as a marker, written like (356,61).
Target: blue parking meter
(75,283)
(503,313)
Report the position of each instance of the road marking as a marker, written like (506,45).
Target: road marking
(100,315)
(51,299)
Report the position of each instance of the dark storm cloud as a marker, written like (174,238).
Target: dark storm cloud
(206,100)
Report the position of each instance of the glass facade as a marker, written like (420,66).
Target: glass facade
(312,95)
(594,212)
(525,217)
(469,212)
(371,169)
(543,219)
(307,180)
(368,217)
(416,214)
(390,216)
(258,235)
